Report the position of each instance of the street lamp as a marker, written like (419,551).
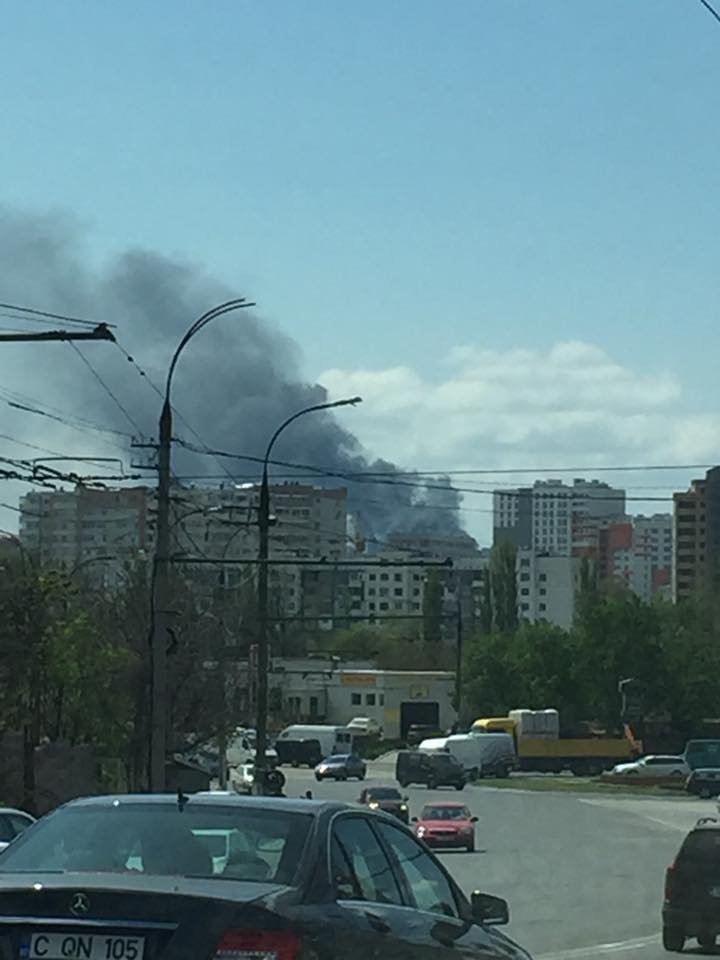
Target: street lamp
(160,588)
(263,639)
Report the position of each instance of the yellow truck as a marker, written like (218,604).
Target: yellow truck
(541,748)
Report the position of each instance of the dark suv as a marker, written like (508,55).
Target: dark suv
(432,769)
(692,889)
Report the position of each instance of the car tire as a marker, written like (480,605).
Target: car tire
(318,777)
(705,793)
(470,848)
(673,939)
(707,941)
(432,784)
(460,785)
(503,773)
(361,776)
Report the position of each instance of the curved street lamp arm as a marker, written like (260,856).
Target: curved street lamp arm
(202,321)
(351,402)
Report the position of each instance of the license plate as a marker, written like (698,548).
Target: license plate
(82,946)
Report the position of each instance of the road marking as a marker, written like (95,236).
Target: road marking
(602,949)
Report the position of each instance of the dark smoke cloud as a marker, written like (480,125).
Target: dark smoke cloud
(240,378)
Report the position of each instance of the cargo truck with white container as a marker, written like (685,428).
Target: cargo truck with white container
(542,747)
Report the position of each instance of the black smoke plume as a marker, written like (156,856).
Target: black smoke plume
(236,383)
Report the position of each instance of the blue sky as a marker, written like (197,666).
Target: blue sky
(395,180)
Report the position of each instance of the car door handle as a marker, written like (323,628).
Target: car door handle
(377,923)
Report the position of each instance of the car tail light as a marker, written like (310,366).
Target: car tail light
(669,882)
(258,945)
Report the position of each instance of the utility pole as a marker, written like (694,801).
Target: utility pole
(458,654)
(160,582)
(263,653)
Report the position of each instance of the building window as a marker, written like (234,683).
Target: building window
(398,591)
(398,576)
(383,591)
(371,591)
(356,699)
(542,607)
(398,605)
(525,607)
(384,606)
(369,699)
(525,592)
(525,562)
(542,577)
(524,577)
(372,576)
(384,576)
(542,591)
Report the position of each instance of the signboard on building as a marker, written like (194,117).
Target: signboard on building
(358,679)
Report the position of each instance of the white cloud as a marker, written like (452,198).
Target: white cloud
(569,405)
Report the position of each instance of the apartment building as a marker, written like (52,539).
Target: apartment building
(555,517)
(638,551)
(696,526)
(546,587)
(99,530)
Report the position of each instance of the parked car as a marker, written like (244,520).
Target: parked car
(341,766)
(653,766)
(446,825)
(691,907)
(417,732)
(12,824)
(388,799)
(704,783)
(364,727)
(432,770)
(379,893)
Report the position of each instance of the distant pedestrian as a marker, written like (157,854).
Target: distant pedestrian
(308,794)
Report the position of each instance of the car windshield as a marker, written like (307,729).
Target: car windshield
(202,840)
(445,813)
(337,758)
(384,793)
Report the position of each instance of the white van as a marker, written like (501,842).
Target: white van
(332,739)
(484,755)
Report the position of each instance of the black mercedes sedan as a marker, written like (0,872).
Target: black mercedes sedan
(216,877)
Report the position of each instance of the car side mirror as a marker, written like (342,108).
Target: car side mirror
(489,910)
(474,819)
(406,799)
(413,819)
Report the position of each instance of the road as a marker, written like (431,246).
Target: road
(583,874)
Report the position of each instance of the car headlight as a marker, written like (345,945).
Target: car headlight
(421,831)
(403,807)
(374,805)
(322,769)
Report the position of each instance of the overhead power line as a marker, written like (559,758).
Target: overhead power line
(107,389)
(30,312)
(711,10)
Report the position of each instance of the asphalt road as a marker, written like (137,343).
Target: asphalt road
(583,875)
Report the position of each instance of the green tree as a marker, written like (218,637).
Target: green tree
(503,587)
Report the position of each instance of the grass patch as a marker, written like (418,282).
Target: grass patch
(558,783)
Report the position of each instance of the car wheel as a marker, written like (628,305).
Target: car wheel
(503,772)
(471,847)
(707,941)
(460,785)
(705,793)
(431,784)
(361,776)
(318,777)
(673,939)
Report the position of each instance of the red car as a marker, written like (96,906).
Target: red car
(446,825)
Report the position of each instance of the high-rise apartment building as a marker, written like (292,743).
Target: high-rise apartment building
(696,561)
(555,517)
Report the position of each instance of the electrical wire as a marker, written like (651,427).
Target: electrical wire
(711,10)
(106,388)
(30,312)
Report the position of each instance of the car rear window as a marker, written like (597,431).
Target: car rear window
(200,841)
(701,848)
